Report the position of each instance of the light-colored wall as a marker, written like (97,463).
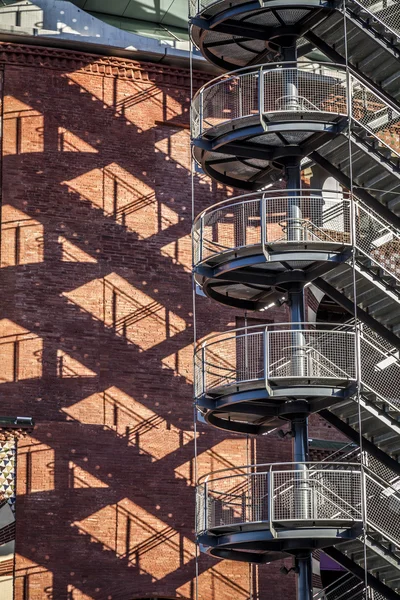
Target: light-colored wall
(61,21)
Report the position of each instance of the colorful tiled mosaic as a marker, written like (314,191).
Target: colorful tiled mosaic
(7,472)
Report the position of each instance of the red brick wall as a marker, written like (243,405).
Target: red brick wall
(97,330)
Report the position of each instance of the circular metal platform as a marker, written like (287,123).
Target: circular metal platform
(234,34)
(248,125)
(251,379)
(257,513)
(250,249)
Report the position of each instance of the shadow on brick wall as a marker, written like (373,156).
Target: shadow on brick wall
(96,333)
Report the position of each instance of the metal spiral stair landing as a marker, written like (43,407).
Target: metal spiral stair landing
(253,379)
(256,128)
(261,512)
(250,125)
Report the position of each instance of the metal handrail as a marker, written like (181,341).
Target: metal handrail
(272,66)
(313,472)
(269,466)
(254,215)
(277,194)
(308,349)
(263,367)
(334,588)
(314,326)
(223,372)
(364,241)
(355,83)
(253,498)
(374,16)
(378,518)
(304,67)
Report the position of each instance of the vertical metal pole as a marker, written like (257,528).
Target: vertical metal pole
(261,96)
(266,358)
(304,584)
(296,293)
(205,506)
(203,369)
(291,95)
(200,112)
(200,258)
(294,225)
(296,302)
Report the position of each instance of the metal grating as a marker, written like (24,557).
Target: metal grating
(279,495)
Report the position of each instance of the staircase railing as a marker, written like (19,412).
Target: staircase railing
(281,496)
(271,494)
(382,497)
(388,17)
(377,356)
(347,587)
(371,112)
(377,240)
(260,219)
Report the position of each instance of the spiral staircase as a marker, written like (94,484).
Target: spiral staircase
(316,88)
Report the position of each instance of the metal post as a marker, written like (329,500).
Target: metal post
(294,225)
(304,584)
(271,510)
(203,368)
(266,358)
(291,100)
(205,505)
(201,112)
(300,423)
(261,97)
(200,258)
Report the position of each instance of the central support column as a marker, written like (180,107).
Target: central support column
(289,53)
(299,369)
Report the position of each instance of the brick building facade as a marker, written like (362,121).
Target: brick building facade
(97,331)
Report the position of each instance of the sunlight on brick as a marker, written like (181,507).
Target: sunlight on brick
(129,312)
(21,353)
(168,216)
(221,582)
(132,96)
(70,367)
(150,433)
(35,467)
(121,196)
(72,253)
(89,410)
(181,363)
(180,252)
(21,238)
(79,478)
(69,142)
(23,128)
(137,536)
(31,579)
(215,458)
(75,592)
(176,144)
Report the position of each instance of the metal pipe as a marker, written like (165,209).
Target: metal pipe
(302,497)
(304,582)
(294,204)
(289,52)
